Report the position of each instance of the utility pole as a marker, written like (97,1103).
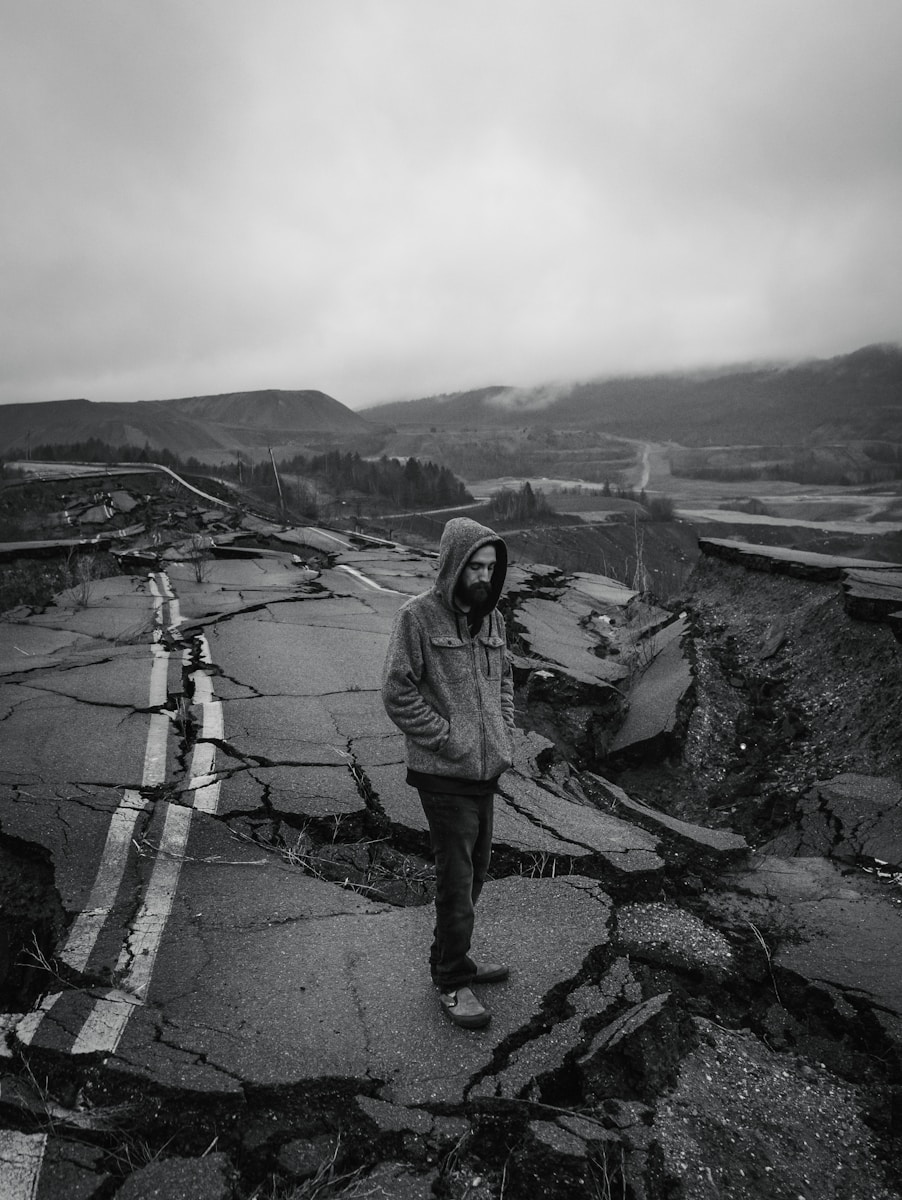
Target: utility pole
(278,485)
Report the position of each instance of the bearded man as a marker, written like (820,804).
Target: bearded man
(447,685)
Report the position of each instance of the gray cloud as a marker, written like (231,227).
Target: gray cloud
(391,199)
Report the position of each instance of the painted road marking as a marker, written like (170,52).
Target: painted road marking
(21,1155)
(27,1027)
(104,1026)
(88,924)
(333,538)
(202,774)
(106,1023)
(85,930)
(107,1020)
(369,582)
(154,771)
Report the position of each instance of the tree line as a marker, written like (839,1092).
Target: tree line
(407,484)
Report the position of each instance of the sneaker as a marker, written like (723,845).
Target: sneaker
(463,1008)
(491,972)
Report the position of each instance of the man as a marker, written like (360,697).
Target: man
(447,685)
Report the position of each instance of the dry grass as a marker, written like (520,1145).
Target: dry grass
(329,1183)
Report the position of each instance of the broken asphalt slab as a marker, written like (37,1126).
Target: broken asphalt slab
(306,981)
(654,701)
(853,817)
(834,926)
(804,564)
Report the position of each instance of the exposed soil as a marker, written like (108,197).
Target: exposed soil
(789,691)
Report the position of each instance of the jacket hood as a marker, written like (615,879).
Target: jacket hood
(461,538)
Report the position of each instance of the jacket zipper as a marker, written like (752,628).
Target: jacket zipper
(475,665)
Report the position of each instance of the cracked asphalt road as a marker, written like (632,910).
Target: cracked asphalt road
(187,754)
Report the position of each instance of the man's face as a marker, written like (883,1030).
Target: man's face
(474,586)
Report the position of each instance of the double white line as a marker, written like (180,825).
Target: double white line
(106,1022)
(22,1155)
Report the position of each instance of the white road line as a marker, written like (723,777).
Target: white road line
(85,930)
(8,1024)
(88,924)
(27,1027)
(333,538)
(107,1020)
(21,1155)
(369,582)
(106,1023)
(175,613)
(154,771)
(202,774)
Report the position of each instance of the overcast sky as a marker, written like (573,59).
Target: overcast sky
(384,199)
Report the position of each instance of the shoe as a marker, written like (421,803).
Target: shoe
(491,972)
(462,1008)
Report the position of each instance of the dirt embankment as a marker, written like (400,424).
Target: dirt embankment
(789,690)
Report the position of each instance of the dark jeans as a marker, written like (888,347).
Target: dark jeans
(460,828)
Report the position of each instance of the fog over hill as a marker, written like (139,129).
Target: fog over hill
(851,396)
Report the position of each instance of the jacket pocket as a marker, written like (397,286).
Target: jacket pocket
(460,743)
(449,666)
(491,652)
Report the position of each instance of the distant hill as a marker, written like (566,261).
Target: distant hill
(204,426)
(853,396)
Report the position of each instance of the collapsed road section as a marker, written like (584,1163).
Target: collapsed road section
(237,907)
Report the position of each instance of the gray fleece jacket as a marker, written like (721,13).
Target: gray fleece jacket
(451,694)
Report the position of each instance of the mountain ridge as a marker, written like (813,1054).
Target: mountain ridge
(792,401)
(227,422)
(850,397)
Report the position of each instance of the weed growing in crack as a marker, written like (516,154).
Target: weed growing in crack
(452,1161)
(43,1095)
(607,1179)
(369,866)
(770,966)
(36,958)
(82,570)
(329,1183)
(135,1152)
(337,819)
(199,555)
(302,855)
(541,864)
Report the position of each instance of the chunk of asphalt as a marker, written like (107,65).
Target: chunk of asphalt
(662,933)
(294,791)
(638,1053)
(529,1062)
(180,1179)
(764,1124)
(620,845)
(851,816)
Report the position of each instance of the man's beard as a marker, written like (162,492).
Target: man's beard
(477,595)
